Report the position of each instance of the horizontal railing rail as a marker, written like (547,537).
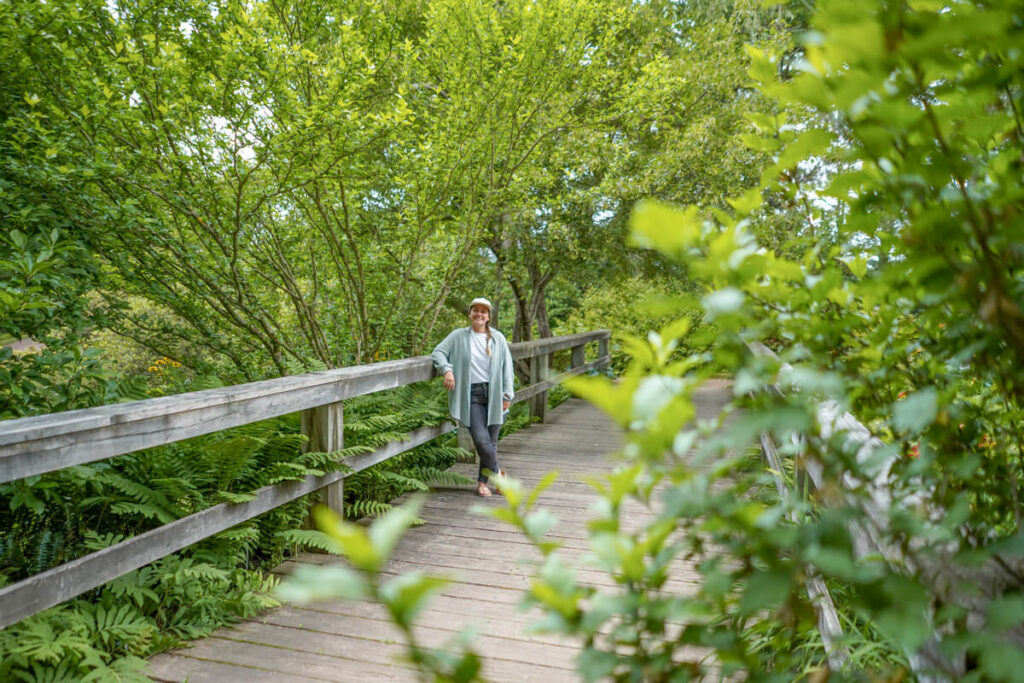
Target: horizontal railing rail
(931,663)
(36,445)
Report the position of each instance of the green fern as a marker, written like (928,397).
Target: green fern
(436,476)
(229,458)
(134,587)
(404,483)
(309,538)
(366,508)
(121,627)
(151,502)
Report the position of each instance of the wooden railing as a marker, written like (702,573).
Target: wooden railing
(36,445)
(930,663)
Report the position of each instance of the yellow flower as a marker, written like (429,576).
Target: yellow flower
(176,364)
(152,368)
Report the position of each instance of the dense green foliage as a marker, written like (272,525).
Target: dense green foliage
(903,305)
(246,190)
(888,276)
(288,184)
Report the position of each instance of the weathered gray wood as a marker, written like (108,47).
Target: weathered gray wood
(539,373)
(35,445)
(534,389)
(578,355)
(547,345)
(929,663)
(52,587)
(828,618)
(324,427)
(602,351)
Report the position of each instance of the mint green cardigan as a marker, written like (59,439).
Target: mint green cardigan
(453,354)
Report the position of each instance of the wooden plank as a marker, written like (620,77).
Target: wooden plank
(536,347)
(518,648)
(175,667)
(578,355)
(335,665)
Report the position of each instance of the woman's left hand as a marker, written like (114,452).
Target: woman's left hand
(505,405)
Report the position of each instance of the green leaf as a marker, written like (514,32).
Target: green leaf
(386,531)
(615,399)
(747,202)
(723,301)
(810,143)
(761,67)
(1006,612)
(407,595)
(1000,661)
(916,411)
(354,540)
(765,589)
(546,481)
(659,226)
(309,583)
(760,143)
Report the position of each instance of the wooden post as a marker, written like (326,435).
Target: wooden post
(602,351)
(539,373)
(324,425)
(578,356)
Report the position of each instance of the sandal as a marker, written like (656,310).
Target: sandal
(482,490)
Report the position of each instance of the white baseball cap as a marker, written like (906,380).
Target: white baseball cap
(480,301)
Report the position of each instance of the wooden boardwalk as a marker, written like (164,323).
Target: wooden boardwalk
(490,562)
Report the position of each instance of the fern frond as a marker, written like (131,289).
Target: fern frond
(232,497)
(96,541)
(372,423)
(123,627)
(126,509)
(138,492)
(227,459)
(366,508)
(441,477)
(405,483)
(245,536)
(133,587)
(309,538)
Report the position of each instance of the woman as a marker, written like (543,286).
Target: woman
(477,369)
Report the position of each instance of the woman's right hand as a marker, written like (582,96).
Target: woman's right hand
(449,380)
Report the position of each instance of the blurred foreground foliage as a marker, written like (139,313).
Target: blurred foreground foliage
(895,292)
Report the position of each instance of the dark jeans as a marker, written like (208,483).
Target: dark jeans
(485,437)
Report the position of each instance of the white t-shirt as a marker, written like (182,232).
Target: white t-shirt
(479,361)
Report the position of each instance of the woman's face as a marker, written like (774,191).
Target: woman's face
(479,315)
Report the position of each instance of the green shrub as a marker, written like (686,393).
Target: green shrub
(632,308)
